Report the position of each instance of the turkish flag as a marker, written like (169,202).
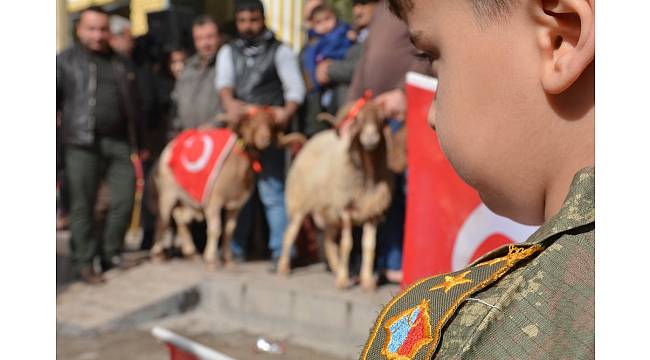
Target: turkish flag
(197,157)
(447,226)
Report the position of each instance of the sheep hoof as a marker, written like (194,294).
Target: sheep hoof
(158,258)
(192,257)
(283,268)
(369,284)
(342,283)
(211,265)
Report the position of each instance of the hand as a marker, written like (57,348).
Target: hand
(321,72)
(280,115)
(393,103)
(205,126)
(144,155)
(235,110)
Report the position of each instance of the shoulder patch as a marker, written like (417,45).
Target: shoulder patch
(410,325)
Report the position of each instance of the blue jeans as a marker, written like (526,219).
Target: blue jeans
(390,234)
(270,185)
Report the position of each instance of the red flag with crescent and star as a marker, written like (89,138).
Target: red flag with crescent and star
(197,157)
(447,226)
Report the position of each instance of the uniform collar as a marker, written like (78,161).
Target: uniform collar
(577,210)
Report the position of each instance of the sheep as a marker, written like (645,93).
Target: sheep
(230,190)
(341,177)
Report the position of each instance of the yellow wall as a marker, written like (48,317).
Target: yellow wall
(139,10)
(62,26)
(77,5)
(284,18)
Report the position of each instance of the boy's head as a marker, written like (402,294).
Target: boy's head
(514,111)
(323,19)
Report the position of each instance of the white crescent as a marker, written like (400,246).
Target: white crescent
(479,225)
(202,161)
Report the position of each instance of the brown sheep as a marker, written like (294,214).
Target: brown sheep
(341,178)
(229,192)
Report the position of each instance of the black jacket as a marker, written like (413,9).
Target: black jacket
(76,82)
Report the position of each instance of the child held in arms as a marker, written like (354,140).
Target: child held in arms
(330,39)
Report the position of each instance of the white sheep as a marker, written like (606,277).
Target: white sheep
(341,177)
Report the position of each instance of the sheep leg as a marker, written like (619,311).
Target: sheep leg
(183,217)
(343,273)
(165,206)
(330,248)
(213,220)
(368,243)
(229,229)
(284,263)
(157,250)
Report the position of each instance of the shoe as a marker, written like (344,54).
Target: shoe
(118,262)
(273,269)
(89,276)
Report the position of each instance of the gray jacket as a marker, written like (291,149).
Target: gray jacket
(195,97)
(340,73)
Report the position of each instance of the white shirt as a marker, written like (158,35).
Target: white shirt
(286,64)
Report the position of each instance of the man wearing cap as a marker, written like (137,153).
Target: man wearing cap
(257,69)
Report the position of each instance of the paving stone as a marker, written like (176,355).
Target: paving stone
(320,311)
(267,301)
(224,295)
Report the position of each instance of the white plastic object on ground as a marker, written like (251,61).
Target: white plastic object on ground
(185,344)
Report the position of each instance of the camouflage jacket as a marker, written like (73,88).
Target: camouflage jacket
(530,301)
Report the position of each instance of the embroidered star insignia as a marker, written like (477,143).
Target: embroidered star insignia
(451,281)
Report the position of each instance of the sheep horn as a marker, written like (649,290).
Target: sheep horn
(223,117)
(327,118)
(294,137)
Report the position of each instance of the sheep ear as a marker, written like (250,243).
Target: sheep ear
(293,138)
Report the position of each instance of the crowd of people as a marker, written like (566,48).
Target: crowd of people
(112,105)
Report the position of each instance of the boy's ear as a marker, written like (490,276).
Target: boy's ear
(567,41)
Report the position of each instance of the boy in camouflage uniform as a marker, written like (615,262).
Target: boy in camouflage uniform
(514,114)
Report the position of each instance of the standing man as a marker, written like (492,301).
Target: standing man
(257,69)
(196,99)
(96,95)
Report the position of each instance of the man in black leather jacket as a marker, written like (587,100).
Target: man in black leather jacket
(95,92)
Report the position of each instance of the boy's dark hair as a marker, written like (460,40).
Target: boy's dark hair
(321,9)
(94,8)
(204,19)
(484,9)
(249,5)
(364,2)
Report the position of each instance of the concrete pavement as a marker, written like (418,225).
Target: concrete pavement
(304,309)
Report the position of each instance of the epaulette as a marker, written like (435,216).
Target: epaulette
(410,325)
